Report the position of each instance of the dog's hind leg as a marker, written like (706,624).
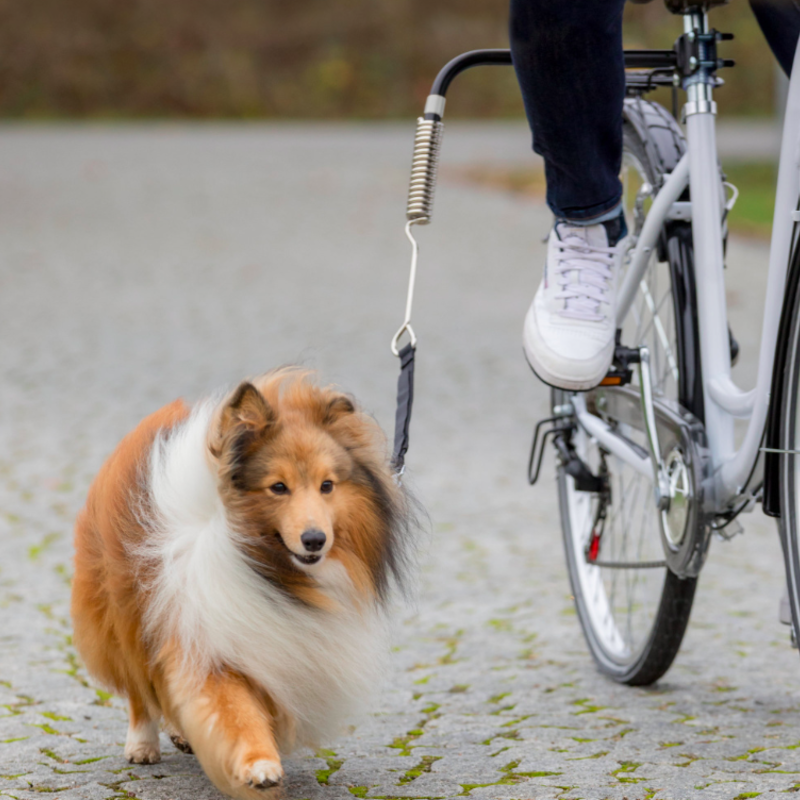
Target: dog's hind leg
(181,742)
(230,730)
(141,745)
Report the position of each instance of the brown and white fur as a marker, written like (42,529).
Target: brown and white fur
(203,591)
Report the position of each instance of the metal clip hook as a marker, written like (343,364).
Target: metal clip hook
(406,326)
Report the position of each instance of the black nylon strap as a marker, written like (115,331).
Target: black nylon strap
(405,399)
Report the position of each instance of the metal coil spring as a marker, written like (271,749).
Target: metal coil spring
(427,144)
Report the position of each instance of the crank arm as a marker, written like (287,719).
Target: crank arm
(634,456)
(660,478)
(650,464)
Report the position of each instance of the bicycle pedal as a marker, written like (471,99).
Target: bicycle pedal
(621,373)
(617,377)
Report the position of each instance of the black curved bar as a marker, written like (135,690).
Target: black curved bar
(650,59)
(636,59)
(473,58)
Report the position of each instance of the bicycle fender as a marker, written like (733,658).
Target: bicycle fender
(772,436)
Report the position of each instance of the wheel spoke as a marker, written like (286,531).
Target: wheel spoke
(656,322)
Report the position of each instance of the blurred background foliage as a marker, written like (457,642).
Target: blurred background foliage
(244,59)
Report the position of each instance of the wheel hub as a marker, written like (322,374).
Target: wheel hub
(676,515)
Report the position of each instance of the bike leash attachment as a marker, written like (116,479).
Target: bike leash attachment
(424,164)
(418,212)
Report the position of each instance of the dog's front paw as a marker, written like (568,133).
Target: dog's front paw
(143,753)
(263,773)
(142,746)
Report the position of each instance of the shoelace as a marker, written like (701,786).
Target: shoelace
(584,273)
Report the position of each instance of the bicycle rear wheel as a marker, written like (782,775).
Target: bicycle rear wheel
(632,608)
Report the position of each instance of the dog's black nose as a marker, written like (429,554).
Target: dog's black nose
(313,540)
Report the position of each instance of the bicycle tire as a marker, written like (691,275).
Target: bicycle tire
(789,469)
(652,145)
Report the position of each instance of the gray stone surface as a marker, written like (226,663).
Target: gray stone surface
(140,264)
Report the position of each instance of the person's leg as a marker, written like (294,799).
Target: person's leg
(569,63)
(780,23)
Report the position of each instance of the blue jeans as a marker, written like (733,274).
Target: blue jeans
(568,59)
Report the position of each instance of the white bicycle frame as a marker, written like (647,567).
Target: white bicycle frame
(723,399)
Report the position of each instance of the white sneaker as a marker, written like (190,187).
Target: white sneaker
(569,329)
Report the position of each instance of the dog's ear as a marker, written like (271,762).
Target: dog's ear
(336,408)
(247,420)
(247,409)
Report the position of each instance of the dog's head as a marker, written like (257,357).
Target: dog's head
(304,477)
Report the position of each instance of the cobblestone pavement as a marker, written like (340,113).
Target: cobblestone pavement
(139,264)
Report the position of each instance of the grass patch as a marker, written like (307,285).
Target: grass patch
(50,754)
(588,758)
(402,743)
(510,778)
(587,707)
(423,767)
(36,550)
(103,698)
(756,183)
(334,765)
(55,717)
(90,760)
(46,790)
(627,767)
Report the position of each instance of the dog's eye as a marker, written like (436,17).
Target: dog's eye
(327,487)
(279,488)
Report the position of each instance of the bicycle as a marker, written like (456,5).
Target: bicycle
(647,465)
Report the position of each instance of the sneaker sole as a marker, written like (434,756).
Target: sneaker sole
(567,386)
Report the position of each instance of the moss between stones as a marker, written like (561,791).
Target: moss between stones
(46,728)
(55,717)
(421,768)
(625,767)
(511,778)
(334,765)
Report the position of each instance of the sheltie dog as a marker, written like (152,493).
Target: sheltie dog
(232,570)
